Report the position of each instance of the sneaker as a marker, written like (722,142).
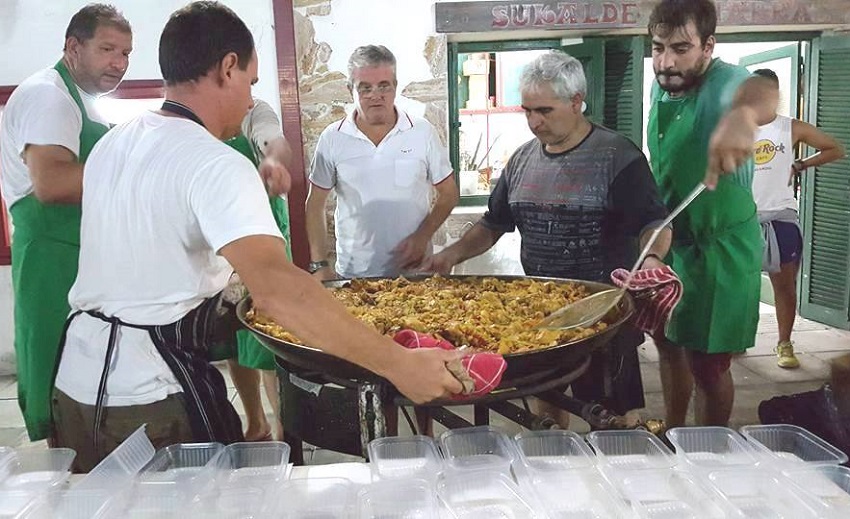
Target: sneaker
(785,356)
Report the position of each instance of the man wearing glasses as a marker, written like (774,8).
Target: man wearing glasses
(384,166)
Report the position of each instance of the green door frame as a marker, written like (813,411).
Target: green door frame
(789,51)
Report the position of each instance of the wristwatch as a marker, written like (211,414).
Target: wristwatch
(313,266)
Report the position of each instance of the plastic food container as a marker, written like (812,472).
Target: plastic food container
(792,444)
(406,499)
(553,450)
(233,501)
(630,450)
(576,493)
(829,484)
(261,462)
(121,467)
(755,493)
(16,503)
(484,495)
(75,504)
(478,448)
(670,494)
(331,498)
(35,470)
(711,448)
(409,457)
(187,464)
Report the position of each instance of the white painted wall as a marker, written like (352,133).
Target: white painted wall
(31,38)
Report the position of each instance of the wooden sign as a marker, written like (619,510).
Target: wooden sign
(454,17)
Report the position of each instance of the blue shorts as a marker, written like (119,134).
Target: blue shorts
(790,242)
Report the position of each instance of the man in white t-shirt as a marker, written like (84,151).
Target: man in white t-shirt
(167,210)
(383,165)
(49,127)
(773,190)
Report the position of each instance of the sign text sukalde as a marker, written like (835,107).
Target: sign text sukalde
(564,14)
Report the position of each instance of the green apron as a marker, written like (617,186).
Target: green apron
(249,351)
(717,243)
(45,252)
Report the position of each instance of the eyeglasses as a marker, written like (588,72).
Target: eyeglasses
(367,90)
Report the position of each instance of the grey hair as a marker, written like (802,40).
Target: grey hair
(370,56)
(562,72)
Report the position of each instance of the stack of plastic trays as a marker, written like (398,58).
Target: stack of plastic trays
(394,458)
(552,461)
(482,448)
(790,447)
(469,494)
(704,449)
(328,498)
(187,466)
(399,499)
(829,485)
(763,494)
(27,474)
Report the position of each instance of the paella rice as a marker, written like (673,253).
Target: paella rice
(486,313)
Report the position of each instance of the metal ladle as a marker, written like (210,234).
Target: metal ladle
(591,309)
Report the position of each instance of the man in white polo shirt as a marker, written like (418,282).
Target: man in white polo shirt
(383,164)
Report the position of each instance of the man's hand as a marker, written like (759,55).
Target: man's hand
(441,263)
(411,251)
(275,176)
(325,274)
(731,143)
(421,375)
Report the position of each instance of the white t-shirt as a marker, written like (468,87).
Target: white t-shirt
(40,111)
(773,156)
(383,192)
(160,197)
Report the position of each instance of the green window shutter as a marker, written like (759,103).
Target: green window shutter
(591,54)
(826,191)
(623,111)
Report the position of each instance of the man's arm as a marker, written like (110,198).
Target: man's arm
(277,155)
(829,149)
(410,252)
(732,142)
(317,229)
(476,241)
(57,177)
(295,301)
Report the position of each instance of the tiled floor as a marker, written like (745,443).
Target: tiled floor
(756,376)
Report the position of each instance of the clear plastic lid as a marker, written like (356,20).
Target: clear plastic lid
(670,494)
(331,498)
(829,484)
(478,448)
(630,450)
(484,494)
(576,493)
(36,469)
(793,444)
(121,467)
(758,493)
(711,447)
(398,500)
(404,457)
(553,450)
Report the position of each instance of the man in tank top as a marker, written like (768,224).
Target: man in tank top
(773,191)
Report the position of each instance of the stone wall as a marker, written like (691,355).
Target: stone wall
(324,93)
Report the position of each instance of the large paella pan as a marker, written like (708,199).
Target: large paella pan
(524,367)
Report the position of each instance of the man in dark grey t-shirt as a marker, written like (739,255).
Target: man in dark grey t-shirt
(582,198)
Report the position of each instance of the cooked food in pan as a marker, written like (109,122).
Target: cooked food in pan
(484,313)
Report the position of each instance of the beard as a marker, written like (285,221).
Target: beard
(676,82)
